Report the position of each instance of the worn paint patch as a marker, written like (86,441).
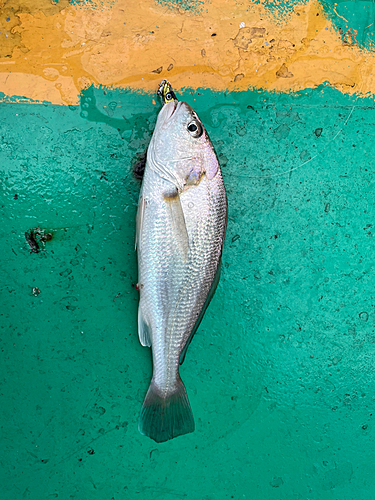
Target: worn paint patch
(53,54)
(194,6)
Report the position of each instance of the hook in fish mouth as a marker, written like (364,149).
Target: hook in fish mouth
(165,92)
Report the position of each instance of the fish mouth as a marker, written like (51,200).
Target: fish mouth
(170,109)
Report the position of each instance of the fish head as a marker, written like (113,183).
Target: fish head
(180,145)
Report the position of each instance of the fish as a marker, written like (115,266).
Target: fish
(180,231)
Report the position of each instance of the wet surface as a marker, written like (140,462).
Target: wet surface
(280,372)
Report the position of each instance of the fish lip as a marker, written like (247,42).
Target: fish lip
(172,110)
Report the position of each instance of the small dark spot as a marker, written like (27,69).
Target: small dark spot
(8,19)
(363,316)
(235,238)
(158,70)
(241,130)
(80,460)
(66,273)
(46,236)
(90,451)
(45,460)
(275,236)
(327,208)
(171,195)
(364,427)
(213,34)
(100,410)
(318,132)
(277,482)
(16,196)
(170,67)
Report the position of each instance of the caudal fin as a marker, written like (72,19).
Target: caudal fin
(166,417)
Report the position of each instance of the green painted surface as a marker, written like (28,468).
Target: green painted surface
(355,20)
(280,375)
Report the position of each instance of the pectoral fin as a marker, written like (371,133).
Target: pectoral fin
(143,330)
(179,230)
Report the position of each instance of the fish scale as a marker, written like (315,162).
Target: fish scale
(181,226)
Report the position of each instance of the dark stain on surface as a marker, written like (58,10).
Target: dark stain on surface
(36,238)
(31,240)
(245,36)
(10,20)
(140,165)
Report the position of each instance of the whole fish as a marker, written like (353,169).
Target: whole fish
(181,223)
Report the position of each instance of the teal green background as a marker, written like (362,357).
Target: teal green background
(280,375)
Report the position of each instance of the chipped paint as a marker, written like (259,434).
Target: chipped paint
(50,52)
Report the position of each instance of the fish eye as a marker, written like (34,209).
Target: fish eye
(168,97)
(195,129)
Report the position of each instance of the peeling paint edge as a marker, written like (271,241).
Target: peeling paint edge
(14,99)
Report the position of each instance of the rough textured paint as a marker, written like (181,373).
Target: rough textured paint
(50,52)
(355,21)
(280,375)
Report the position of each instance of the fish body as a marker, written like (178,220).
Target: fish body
(181,223)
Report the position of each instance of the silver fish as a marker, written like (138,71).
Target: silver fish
(181,223)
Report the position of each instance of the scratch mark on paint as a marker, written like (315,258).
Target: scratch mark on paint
(289,171)
(337,14)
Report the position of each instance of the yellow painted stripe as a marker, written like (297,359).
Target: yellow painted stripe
(52,52)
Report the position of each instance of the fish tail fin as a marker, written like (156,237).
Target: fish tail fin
(165,417)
